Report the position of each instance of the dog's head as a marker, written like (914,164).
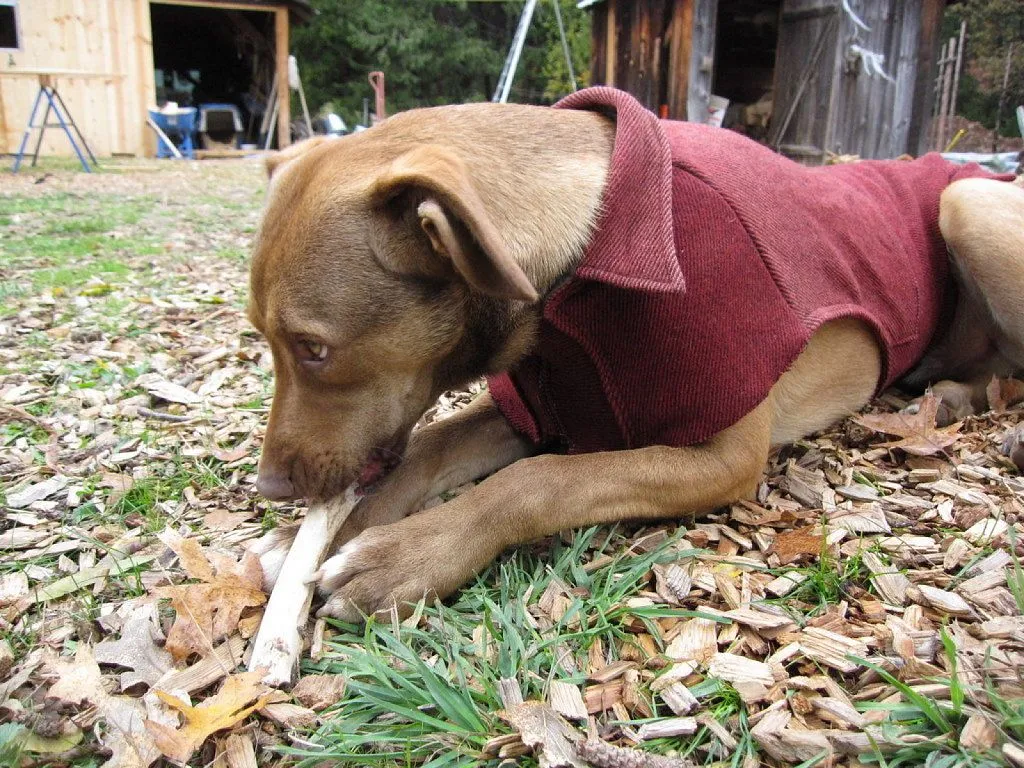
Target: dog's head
(378,279)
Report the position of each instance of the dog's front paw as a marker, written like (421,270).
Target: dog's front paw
(397,565)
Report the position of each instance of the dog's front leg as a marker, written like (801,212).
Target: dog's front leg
(467,445)
(436,551)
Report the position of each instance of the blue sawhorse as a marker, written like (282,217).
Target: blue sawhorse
(55,104)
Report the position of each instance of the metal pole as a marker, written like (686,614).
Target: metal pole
(565,43)
(512,62)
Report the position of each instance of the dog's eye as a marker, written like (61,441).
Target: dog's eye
(312,351)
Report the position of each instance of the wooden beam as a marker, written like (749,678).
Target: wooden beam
(924,82)
(611,50)
(679,50)
(284,93)
(226,6)
(145,84)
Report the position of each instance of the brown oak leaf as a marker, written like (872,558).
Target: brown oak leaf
(240,695)
(209,611)
(919,434)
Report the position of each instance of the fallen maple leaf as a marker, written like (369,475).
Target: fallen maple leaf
(240,695)
(210,610)
(920,435)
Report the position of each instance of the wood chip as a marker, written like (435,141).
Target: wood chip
(782,585)
(832,649)
(890,583)
(566,700)
(978,734)
(983,531)
(239,751)
(510,693)
(696,641)
(319,691)
(839,712)
(947,602)
(219,664)
(860,520)
(289,715)
(667,728)
(732,668)
(612,671)
(679,699)
(759,620)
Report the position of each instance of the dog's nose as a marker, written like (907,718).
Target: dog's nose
(275,485)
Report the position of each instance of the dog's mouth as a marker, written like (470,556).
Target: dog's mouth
(378,466)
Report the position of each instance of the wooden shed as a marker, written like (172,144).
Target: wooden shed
(808,77)
(113,59)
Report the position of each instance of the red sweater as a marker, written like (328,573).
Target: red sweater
(713,262)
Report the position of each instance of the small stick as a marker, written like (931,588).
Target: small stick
(279,640)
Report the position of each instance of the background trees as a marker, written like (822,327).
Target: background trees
(995,37)
(433,52)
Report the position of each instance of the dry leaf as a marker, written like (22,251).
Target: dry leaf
(920,435)
(80,682)
(222,520)
(792,545)
(1002,393)
(190,555)
(239,696)
(210,610)
(137,648)
(540,727)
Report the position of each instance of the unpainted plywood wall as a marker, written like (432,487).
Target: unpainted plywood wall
(107,46)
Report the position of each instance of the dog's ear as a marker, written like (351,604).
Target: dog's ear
(274,162)
(430,185)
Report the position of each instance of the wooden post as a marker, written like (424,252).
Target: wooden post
(284,92)
(959,65)
(920,131)
(611,47)
(947,84)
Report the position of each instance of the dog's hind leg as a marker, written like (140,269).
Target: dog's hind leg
(982,221)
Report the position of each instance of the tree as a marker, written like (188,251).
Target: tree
(432,52)
(995,40)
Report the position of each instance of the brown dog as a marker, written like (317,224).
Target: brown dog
(410,259)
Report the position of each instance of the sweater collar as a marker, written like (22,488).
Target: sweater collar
(633,245)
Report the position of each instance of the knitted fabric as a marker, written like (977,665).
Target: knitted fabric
(713,262)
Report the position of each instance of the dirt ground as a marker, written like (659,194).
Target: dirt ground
(866,608)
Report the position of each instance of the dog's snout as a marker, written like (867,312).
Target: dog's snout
(275,484)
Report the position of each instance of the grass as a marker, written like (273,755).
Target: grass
(429,695)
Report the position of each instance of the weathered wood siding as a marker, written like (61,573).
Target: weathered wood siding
(702,59)
(872,115)
(643,47)
(109,39)
(805,71)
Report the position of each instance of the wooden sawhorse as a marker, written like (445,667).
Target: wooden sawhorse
(55,104)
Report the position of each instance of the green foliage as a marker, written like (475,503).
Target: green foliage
(992,27)
(433,52)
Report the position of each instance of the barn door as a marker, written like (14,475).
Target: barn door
(805,78)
